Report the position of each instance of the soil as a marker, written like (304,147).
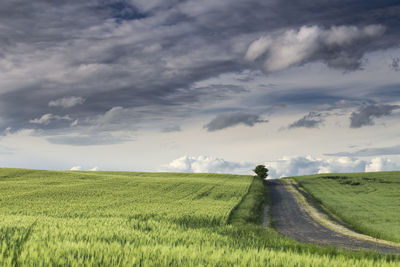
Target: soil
(292,220)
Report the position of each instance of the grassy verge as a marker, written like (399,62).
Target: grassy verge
(250,209)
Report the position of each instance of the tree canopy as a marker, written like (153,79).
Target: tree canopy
(261,171)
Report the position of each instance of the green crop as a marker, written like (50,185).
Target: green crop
(53,218)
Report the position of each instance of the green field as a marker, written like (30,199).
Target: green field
(369,202)
(50,218)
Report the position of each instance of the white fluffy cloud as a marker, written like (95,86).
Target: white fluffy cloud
(76,168)
(381,164)
(205,164)
(47,118)
(79,168)
(334,46)
(293,166)
(284,167)
(67,102)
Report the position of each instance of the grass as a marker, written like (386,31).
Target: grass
(52,218)
(369,202)
(250,209)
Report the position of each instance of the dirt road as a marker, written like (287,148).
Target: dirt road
(293,221)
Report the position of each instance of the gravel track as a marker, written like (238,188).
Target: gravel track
(291,220)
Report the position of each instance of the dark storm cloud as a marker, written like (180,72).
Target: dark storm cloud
(365,115)
(228,120)
(301,96)
(147,56)
(395,65)
(325,99)
(369,152)
(311,120)
(337,46)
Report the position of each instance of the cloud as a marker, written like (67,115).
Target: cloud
(104,129)
(74,123)
(171,128)
(387,93)
(306,97)
(67,102)
(368,152)
(47,118)
(152,48)
(381,164)
(92,139)
(365,114)
(228,120)
(336,46)
(112,116)
(294,166)
(79,168)
(152,57)
(205,164)
(284,167)
(76,168)
(395,64)
(311,120)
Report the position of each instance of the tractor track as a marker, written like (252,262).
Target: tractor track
(292,220)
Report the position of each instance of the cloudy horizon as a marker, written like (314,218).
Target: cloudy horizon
(200,86)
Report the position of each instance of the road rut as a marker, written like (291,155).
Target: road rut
(291,220)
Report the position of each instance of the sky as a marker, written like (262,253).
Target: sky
(200,85)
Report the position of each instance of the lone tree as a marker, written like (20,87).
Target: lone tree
(261,171)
